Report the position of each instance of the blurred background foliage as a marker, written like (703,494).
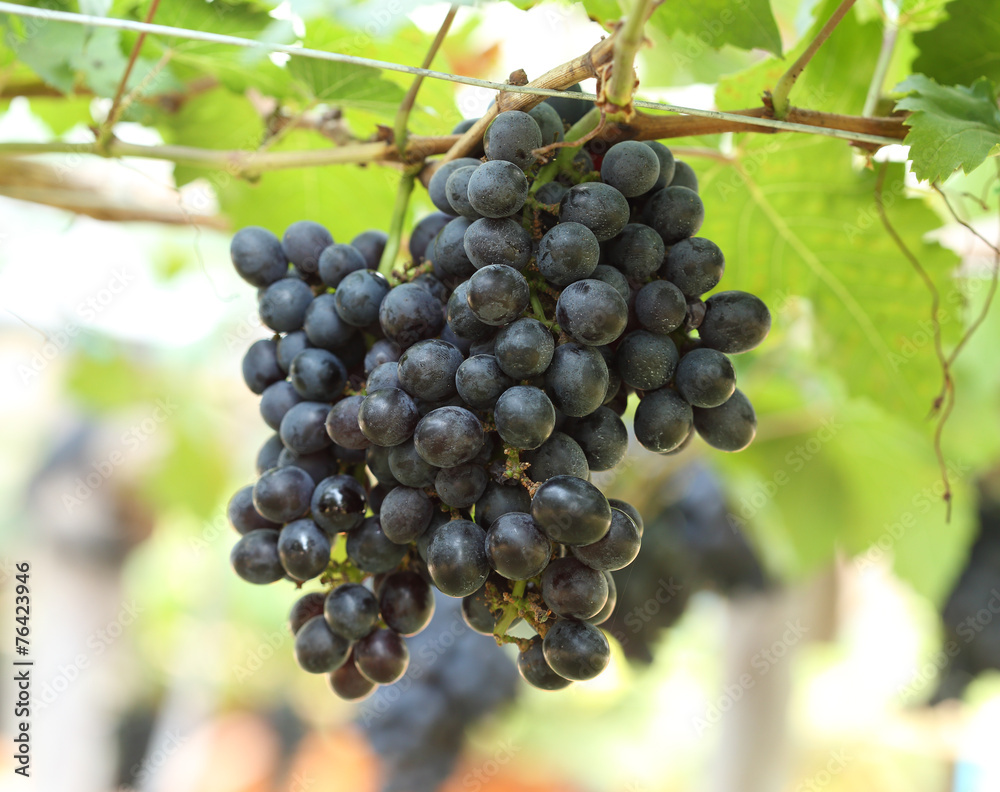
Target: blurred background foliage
(842,473)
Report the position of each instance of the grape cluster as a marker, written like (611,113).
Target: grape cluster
(440,432)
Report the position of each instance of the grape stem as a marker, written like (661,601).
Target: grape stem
(391,250)
(510,610)
(403,113)
(628,40)
(783,87)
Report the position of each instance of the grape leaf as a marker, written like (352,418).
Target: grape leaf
(836,79)
(747,24)
(951,127)
(962,48)
(603,11)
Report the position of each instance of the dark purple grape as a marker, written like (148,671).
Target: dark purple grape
(571,511)
(242,514)
(662,420)
(338,504)
(351,611)
(516,547)
(349,683)
(304,549)
(572,589)
(260,366)
(371,550)
(576,650)
(536,671)
(456,558)
(388,417)
(258,256)
(304,609)
(282,494)
(255,557)
(405,514)
(728,427)
(318,650)
(406,602)
(616,550)
(448,436)
(382,656)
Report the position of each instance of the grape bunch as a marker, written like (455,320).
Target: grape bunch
(439,432)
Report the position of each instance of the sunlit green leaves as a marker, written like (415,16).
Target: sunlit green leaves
(964,47)
(951,127)
(748,24)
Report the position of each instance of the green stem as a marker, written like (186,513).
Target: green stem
(510,610)
(627,42)
(564,158)
(779,96)
(403,113)
(388,260)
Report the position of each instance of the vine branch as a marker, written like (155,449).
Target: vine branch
(784,85)
(116,104)
(628,40)
(403,113)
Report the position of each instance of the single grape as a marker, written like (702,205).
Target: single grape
(497,189)
(524,417)
(267,457)
(631,168)
(359,296)
(572,589)
(571,511)
(284,303)
(338,261)
(497,241)
(549,123)
(481,381)
(684,176)
(536,671)
(513,136)
(258,256)
(255,557)
(457,192)
(406,602)
(323,326)
(283,494)
(342,424)
(427,369)
(409,314)
(662,420)
(317,375)
(602,437)
(568,252)
(516,547)
(318,465)
(338,504)
(476,612)
(371,244)
(600,207)
(303,428)
(461,486)
(616,550)
(405,514)
(591,312)
(609,607)
(371,550)
(388,417)
(524,348)
(382,656)
(551,194)
(409,468)
(318,650)
(560,455)
(424,232)
(637,252)
(260,366)
(499,499)
(646,361)
(278,398)
(242,514)
(381,352)
(498,294)
(576,650)
(351,611)
(730,426)
(349,683)
(461,319)
(577,379)
(304,549)
(437,187)
(304,609)
(734,322)
(448,436)
(694,265)
(667,164)
(456,558)
(705,378)
(675,213)
(614,278)
(304,242)
(660,307)
(630,510)
(570,110)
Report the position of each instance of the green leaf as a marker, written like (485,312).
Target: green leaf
(747,24)
(62,114)
(964,47)
(346,199)
(836,80)
(47,48)
(603,11)
(951,127)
